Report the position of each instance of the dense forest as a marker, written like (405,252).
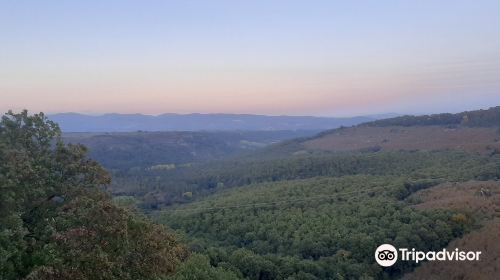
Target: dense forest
(320,228)
(316,215)
(327,225)
(57,222)
(160,188)
(255,215)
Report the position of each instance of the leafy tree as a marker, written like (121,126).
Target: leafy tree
(56,222)
(317,228)
(198,267)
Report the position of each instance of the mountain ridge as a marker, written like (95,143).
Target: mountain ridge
(114,122)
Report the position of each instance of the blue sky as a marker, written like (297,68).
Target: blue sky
(268,57)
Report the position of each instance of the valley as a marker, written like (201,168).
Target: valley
(142,150)
(258,205)
(316,206)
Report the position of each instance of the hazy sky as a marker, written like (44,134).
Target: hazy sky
(334,58)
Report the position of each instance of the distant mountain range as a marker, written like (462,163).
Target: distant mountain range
(74,122)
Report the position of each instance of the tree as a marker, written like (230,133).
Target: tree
(198,267)
(56,222)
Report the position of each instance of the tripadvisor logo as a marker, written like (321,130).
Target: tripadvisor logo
(386,255)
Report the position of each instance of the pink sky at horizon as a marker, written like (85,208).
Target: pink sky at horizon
(264,57)
(303,92)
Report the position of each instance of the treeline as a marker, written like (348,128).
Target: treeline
(479,118)
(160,188)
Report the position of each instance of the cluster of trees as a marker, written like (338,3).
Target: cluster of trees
(56,222)
(160,188)
(479,118)
(318,228)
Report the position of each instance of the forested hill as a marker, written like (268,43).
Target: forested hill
(478,118)
(472,131)
(168,149)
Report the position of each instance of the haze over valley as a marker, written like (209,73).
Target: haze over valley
(73,122)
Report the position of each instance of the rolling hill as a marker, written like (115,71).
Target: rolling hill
(474,131)
(393,138)
(317,206)
(125,150)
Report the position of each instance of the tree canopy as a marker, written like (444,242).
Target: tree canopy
(57,222)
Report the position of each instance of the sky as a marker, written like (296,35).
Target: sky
(323,58)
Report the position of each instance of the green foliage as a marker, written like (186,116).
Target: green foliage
(168,187)
(290,213)
(306,216)
(125,201)
(318,228)
(198,267)
(57,223)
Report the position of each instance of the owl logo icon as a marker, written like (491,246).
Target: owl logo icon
(386,255)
